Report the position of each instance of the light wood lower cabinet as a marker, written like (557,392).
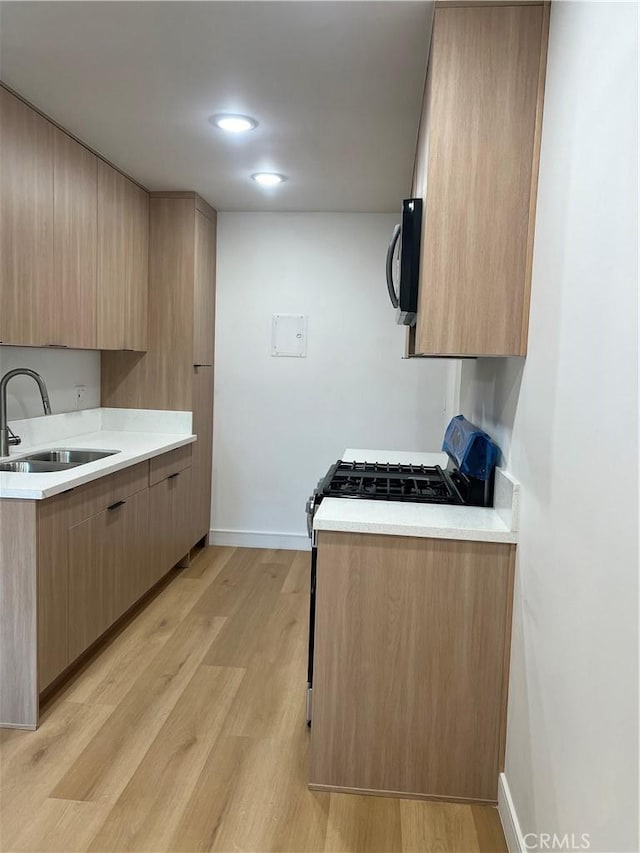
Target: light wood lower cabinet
(411,665)
(202,452)
(89,589)
(108,559)
(72,565)
(53,588)
(170,522)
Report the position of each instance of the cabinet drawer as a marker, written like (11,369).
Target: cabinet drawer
(169,463)
(86,501)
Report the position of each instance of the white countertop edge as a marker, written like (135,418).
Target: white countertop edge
(391,518)
(507,537)
(83,474)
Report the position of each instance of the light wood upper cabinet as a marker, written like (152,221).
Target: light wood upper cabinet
(26,224)
(137,294)
(75,243)
(476,168)
(123,251)
(204,290)
(74,240)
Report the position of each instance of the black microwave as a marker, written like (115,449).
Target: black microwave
(403,262)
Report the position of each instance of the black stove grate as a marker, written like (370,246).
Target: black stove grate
(416,483)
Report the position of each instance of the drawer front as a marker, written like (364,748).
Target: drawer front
(92,498)
(161,467)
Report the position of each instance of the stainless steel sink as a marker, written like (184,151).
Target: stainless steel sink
(35,466)
(58,459)
(76,457)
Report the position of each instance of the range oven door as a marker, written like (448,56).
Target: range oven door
(403,262)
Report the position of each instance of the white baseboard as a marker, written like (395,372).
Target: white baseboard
(508,816)
(260,539)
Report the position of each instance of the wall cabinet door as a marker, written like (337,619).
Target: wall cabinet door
(476,168)
(26,224)
(204,290)
(75,201)
(202,452)
(122,270)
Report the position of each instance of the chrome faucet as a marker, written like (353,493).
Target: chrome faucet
(7,437)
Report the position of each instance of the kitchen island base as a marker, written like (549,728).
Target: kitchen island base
(411,666)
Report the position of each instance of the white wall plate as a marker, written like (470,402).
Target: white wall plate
(289,335)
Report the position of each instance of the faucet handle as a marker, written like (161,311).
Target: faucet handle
(13,438)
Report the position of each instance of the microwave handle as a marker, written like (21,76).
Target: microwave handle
(392,247)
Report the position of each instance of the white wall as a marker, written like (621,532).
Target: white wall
(567,419)
(61,369)
(280,422)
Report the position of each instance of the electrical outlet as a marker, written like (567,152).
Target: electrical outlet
(81,391)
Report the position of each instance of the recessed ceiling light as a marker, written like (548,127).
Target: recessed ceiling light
(268,179)
(233,123)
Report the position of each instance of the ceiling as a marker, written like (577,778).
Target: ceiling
(335,86)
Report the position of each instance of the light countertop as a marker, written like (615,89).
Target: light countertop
(393,518)
(136,434)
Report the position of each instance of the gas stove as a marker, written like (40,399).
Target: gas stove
(393,482)
(467,480)
(385,481)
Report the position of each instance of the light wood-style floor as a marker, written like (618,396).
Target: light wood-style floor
(187,733)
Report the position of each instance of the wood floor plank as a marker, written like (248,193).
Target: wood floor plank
(208,562)
(110,759)
(242,635)
(31,763)
(215,787)
(171,753)
(61,825)
(151,804)
(299,575)
(228,590)
(117,665)
(282,556)
(359,823)
(442,827)
(271,699)
(486,821)
(271,808)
